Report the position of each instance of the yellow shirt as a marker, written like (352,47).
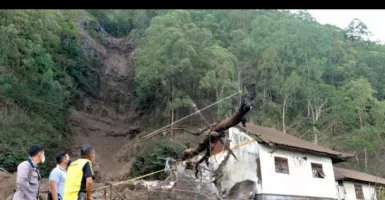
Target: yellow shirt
(74,181)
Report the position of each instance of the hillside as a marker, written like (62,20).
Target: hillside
(105,76)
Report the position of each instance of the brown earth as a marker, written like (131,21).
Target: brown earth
(8,184)
(108,121)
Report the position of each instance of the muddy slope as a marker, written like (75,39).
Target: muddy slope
(107,120)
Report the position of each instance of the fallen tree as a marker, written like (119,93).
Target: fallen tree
(217,133)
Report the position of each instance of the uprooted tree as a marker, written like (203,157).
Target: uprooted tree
(216,133)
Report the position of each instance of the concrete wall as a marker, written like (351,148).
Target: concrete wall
(187,181)
(348,191)
(281,197)
(246,150)
(340,191)
(299,181)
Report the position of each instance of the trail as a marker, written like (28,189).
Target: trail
(107,122)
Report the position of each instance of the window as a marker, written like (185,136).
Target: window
(359,193)
(259,174)
(340,183)
(281,165)
(317,170)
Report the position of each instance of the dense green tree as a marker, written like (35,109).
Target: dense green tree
(320,82)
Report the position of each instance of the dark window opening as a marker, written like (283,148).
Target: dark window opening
(317,170)
(359,192)
(281,165)
(259,174)
(340,183)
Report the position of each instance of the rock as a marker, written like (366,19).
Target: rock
(8,183)
(244,190)
(131,131)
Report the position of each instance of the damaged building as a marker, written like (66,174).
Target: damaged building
(268,165)
(272,165)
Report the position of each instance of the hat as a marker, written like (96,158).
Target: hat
(35,149)
(59,156)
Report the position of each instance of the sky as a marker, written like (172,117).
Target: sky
(374,20)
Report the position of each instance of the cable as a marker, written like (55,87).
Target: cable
(148,136)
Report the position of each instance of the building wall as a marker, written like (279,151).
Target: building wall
(186,181)
(299,181)
(348,192)
(340,191)
(246,150)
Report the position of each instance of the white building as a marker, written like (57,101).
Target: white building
(353,185)
(282,166)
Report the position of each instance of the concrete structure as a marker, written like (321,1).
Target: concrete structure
(353,185)
(282,166)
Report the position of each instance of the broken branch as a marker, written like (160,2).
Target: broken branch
(221,126)
(215,135)
(202,117)
(192,132)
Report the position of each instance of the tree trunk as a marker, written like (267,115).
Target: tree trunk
(307,65)
(264,98)
(217,97)
(239,85)
(216,129)
(360,117)
(366,159)
(283,115)
(315,136)
(172,110)
(315,111)
(358,163)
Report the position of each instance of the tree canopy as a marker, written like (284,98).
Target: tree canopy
(320,82)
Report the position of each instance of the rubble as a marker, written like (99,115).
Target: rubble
(243,190)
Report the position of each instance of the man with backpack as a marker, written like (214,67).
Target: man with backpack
(28,175)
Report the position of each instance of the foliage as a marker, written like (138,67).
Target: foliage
(380,191)
(315,80)
(318,81)
(41,62)
(152,161)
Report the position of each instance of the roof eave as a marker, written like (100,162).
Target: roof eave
(336,158)
(361,181)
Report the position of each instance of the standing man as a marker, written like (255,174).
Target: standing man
(80,176)
(57,177)
(28,176)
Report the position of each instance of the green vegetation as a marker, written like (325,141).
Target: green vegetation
(155,160)
(41,63)
(320,82)
(317,81)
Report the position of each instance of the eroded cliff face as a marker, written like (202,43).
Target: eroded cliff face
(103,116)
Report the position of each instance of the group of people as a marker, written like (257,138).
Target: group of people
(67,181)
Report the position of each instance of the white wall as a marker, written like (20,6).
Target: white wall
(340,191)
(299,181)
(243,169)
(350,193)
